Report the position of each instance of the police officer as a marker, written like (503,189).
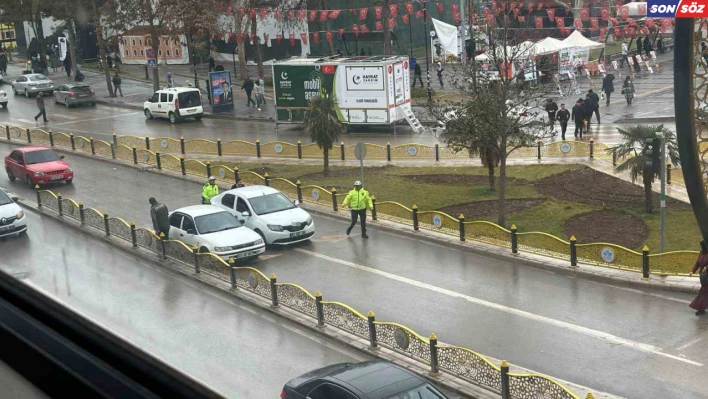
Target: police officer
(210,190)
(358,200)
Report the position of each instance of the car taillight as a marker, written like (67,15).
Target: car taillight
(176,104)
(71,93)
(283,394)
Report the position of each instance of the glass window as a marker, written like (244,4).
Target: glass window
(329,391)
(187,224)
(142,52)
(168,52)
(170,97)
(163,97)
(176,220)
(4,199)
(215,222)
(159,52)
(40,157)
(149,42)
(228,201)
(271,203)
(420,392)
(126,53)
(140,41)
(16,156)
(241,206)
(135,52)
(133,41)
(155,98)
(176,53)
(189,99)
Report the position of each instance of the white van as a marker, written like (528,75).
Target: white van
(175,104)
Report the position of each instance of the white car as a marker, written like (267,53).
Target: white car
(12,218)
(175,104)
(3,98)
(269,213)
(216,231)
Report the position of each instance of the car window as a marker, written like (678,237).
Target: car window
(228,201)
(420,392)
(81,89)
(176,220)
(241,206)
(187,224)
(21,79)
(271,203)
(15,156)
(154,98)
(41,156)
(216,222)
(189,99)
(4,199)
(163,97)
(330,391)
(169,98)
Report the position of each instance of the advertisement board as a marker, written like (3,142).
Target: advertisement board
(407,78)
(368,78)
(398,84)
(360,87)
(569,58)
(221,93)
(295,85)
(390,85)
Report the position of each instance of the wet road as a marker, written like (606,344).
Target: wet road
(231,346)
(623,341)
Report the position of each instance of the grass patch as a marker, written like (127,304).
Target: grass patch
(393,183)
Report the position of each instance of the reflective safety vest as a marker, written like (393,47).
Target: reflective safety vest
(209,191)
(358,200)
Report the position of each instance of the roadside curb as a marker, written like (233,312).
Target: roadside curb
(205,115)
(586,271)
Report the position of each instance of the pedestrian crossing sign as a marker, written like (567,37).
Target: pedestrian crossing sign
(151,62)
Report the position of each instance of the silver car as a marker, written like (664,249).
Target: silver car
(73,94)
(32,83)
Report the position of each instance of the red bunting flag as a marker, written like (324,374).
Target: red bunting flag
(303,37)
(316,37)
(356,30)
(334,14)
(456,16)
(631,22)
(362,13)
(222,7)
(341,32)
(378,11)
(301,15)
(516,12)
(393,10)
(494,5)
(277,15)
(419,14)
(364,29)
(241,12)
(409,8)
(490,19)
(229,10)
(328,35)
(666,23)
(617,32)
(578,24)
(278,38)
(292,40)
(662,29)
(522,18)
(539,22)
(252,13)
(264,13)
(530,8)
(603,32)
(323,16)
(453,7)
(645,30)
(291,15)
(253,38)
(311,15)
(624,12)
(512,5)
(392,23)
(405,19)
(605,13)
(614,21)
(440,7)
(649,22)
(551,14)
(486,11)
(594,24)
(560,23)
(642,8)
(379,25)
(239,37)
(540,6)
(584,14)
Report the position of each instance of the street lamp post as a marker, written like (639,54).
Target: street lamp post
(427,53)
(662,197)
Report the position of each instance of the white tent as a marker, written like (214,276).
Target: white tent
(447,35)
(546,46)
(576,39)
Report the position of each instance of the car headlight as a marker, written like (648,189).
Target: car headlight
(275,227)
(69,170)
(221,249)
(309,221)
(19,215)
(258,241)
(38,174)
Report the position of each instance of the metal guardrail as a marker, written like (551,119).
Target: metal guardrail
(458,361)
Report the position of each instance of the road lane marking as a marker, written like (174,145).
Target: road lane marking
(93,119)
(637,291)
(517,312)
(689,343)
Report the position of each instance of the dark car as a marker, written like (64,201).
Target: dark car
(73,94)
(376,379)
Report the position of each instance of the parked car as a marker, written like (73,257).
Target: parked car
(73,94)
(3,98)
(32,83)
(12,217)
(175,104)
(37,165)
(376,379)
(214,230)
(269,213)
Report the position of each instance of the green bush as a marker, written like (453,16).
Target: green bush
(421,92)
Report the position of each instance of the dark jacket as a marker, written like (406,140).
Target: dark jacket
(639,44)
(589,106)
(160,218)
(116,80)
(647,45)
(40,102)
(608,85)
(595,100)
(578,114)
(551,108)
(417,70)
(247,85)
(563,115)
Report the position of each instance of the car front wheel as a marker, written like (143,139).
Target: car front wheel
(148,114)
(203,250)
(198,117)
(29,182)
(27,93)
(262,237)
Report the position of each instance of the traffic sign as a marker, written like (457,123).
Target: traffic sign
(360,151)
(151,62)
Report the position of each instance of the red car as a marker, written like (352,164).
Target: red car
(37,165)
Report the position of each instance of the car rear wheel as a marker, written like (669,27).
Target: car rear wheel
(66,103)
(55,99)
(148,114)
(10,176)
(14,91)
(198,117)
(173,117)
(27,93)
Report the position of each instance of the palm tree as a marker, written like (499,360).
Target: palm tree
(322,125)
(631,148)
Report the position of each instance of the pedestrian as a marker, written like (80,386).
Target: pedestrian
(3,64)
(260,94)
(67,65)
(170,81)
(521,81)
(238,184)
(362,53)
(116,84)
(212,64)
(248,87)
(262,83)
(589,106)
(660,45)
(640,45)
(358,200)
(700,303)
(109,60)
(625,53)
(563,115)
(578,116)
(418,75)
(160,218)
(440,71)
(209,191)
(628,90)
(596,104)
(339,52)
(647,46)
(608,87)
(551,107)
(42,109)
